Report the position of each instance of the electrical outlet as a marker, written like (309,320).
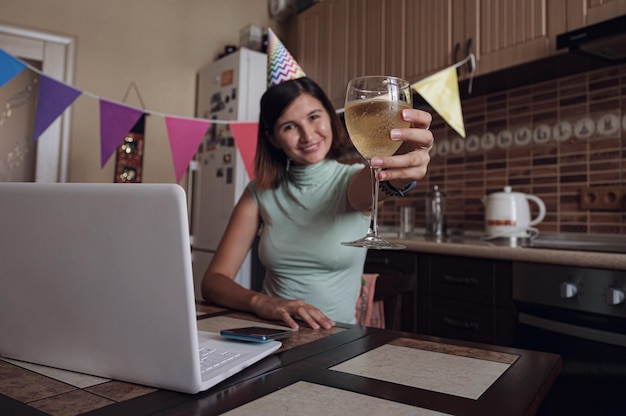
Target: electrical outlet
(603,198)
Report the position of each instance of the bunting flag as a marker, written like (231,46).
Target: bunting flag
(9,67)
(245,135)
(116,120)
(54,97)
(185,136)
(441,91)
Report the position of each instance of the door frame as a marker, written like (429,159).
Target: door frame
(57,54)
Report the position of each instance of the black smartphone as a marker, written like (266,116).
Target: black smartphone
(255,333)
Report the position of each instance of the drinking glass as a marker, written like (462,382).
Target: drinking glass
(373,108)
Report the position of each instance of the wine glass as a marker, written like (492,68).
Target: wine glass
(373,108)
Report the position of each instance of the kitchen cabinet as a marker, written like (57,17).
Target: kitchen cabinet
(581,13)
(396,286)
(465,298)
(505,33)
(341,39)
(429,37)
(500,33)
(313,42)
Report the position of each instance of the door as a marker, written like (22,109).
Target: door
(18,99)
(20,159)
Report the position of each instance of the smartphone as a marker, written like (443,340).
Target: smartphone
(255,333)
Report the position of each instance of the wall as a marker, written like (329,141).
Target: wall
(519,138)
(158,44)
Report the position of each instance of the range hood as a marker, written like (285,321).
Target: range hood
(605,40)
(597,46)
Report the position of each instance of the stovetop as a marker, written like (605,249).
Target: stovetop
(581,242)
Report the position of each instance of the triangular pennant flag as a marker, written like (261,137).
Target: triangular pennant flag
(441,91)
(185,136)
(116,120)
(245,135)
(53,98)
(9,67)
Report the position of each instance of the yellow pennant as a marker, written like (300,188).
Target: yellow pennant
(441,91)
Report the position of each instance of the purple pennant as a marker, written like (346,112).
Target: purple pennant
(54,97)
(9,67)
(116,120)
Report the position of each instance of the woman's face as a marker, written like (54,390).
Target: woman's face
(303,131)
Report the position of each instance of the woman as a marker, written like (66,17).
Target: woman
(306,203)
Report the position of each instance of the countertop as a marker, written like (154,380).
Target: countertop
(473,245)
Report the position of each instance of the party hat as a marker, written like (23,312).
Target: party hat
(281,66)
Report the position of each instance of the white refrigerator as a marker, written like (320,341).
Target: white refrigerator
(228,89)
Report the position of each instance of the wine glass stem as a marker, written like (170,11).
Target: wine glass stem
(373,229)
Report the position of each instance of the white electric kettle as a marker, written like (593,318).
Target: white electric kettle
(507,214)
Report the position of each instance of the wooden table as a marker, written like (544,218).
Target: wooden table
(342,371)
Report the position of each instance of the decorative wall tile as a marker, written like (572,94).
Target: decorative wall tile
(549,139)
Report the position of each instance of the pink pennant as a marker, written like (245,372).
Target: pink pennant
(245,135)
(185,136)
(116,120)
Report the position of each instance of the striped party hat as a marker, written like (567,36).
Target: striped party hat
(281,66)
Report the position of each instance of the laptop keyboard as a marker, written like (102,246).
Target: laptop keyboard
(212,358)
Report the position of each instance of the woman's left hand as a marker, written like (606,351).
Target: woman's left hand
(410,161)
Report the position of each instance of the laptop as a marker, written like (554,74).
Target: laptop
(97,279)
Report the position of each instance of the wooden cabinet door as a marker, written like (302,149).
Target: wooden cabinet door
(329,42)
(339,12)
(505,33)
(356,41)
(393,30)
(342,39)
(581,13)
(312,53)
(383,32)
(429,37)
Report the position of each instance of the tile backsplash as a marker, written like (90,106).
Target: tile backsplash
(548,139)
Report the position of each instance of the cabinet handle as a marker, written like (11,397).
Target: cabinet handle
(468,281)
(470,63)
(474,326)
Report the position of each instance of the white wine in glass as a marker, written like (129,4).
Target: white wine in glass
(373,108)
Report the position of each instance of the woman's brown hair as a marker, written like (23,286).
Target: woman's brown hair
(270,162)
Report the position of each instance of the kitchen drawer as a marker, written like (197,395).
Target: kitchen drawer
(461,320)
(463,285)
(480,281)
(391,262)
(466,320)
(465,298)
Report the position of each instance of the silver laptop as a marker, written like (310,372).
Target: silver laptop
(97,278)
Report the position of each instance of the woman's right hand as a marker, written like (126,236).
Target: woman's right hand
(285,310)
